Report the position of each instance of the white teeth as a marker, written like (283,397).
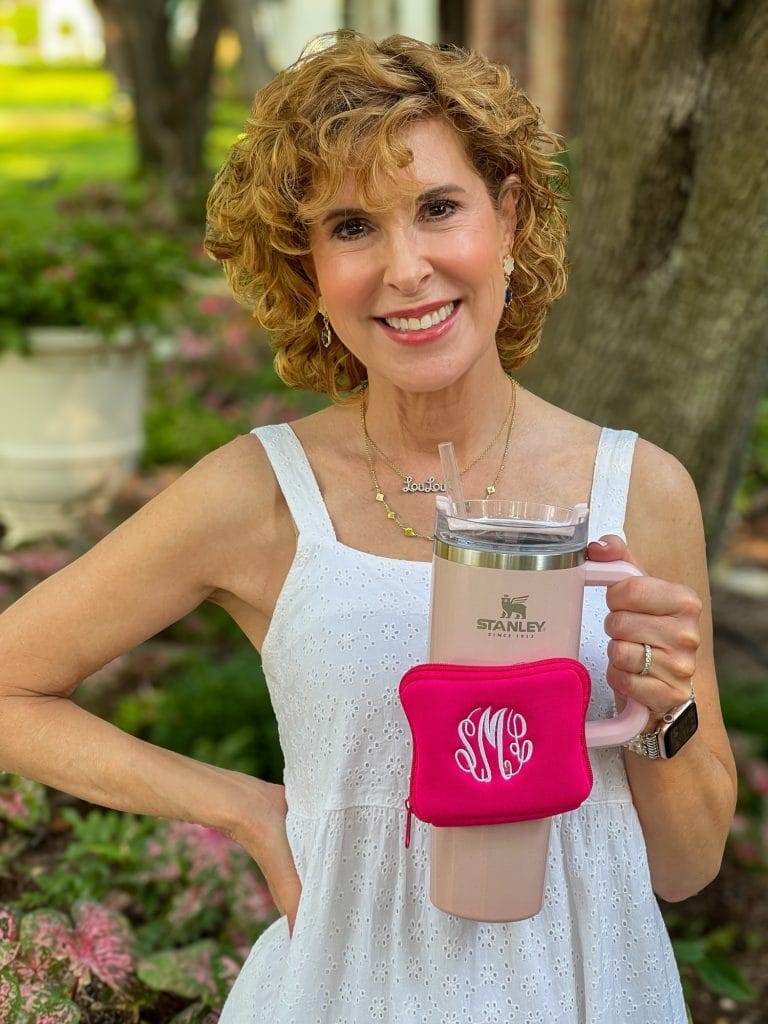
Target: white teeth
(428,320)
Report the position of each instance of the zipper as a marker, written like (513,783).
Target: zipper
(410,781)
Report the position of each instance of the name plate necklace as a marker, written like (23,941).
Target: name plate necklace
(431,485)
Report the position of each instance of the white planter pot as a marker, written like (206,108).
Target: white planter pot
(71,429)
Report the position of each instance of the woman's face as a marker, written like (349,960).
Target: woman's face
(447,250)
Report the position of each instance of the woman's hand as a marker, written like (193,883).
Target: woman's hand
(260,830)
(645,609)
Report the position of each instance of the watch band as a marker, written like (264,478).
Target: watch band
(645,744)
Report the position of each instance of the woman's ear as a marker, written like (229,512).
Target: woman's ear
(509,192)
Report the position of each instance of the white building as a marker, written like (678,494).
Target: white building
(288,25)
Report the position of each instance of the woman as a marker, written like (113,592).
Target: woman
(390,215)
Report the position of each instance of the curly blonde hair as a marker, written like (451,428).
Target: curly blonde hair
(342,105)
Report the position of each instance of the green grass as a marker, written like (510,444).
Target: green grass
(44,86)
(64,127)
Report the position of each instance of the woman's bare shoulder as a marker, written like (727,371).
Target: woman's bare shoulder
(556,428)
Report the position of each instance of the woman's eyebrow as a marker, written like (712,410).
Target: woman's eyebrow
(432,193)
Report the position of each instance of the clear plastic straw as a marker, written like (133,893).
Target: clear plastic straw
(453,487)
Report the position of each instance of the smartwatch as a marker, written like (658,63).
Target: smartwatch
(676,728)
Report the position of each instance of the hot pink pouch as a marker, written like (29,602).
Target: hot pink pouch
(496,743)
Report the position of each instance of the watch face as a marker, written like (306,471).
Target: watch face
(681,730)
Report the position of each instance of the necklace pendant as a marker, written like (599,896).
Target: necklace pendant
(490,489)
(408,531)
(379,496)
(429,486)
(391,515)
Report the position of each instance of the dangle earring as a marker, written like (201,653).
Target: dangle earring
(325,334)
(509,266)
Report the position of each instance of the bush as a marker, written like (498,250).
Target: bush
(97,272)
(216,711)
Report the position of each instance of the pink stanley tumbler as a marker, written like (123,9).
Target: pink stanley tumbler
(507,586)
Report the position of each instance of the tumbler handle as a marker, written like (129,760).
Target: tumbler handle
(610,732)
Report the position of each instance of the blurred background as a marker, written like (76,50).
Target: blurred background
(123,360)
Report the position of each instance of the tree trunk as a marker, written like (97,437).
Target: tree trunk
(170,92)
(663,329)
(255,69)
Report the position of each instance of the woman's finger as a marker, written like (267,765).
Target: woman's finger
(653,595)
(662,632)
(655,694)
(674,667)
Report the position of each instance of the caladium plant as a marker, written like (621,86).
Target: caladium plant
(196,1013)
(23,802)
(45,957)
(100,943)
(198,971)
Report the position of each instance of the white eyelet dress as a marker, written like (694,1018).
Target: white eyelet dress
(367,944)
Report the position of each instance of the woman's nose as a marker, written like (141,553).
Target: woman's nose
(406,265)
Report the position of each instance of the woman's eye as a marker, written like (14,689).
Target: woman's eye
(449,203)
(348,230)
(344,226)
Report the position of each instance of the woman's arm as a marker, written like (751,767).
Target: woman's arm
(685,804)
(147,573)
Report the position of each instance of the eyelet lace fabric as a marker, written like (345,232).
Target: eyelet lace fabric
(367,944)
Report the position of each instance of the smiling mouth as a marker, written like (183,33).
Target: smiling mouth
(422,323)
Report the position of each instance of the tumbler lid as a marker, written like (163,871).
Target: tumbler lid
(511,533)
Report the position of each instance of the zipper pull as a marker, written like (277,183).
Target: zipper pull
(408,824)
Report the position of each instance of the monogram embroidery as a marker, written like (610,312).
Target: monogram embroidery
(490,730)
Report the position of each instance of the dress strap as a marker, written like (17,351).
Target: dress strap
(296,479)
(610,482)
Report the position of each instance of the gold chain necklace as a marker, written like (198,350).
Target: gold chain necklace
(490,489)
(430,485)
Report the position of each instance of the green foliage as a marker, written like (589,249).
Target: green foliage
(745,709)
(33,87)
(65,126)
(217,711)
(196,1013)
(10,996)
(178,907)
(705,959)
(197,971)
(180,428)
(101,272)
(23,803)
(106,852)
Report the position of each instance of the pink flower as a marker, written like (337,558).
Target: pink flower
(235,336)
(253,898)
(192,346)
(12,805)
(271,409)
(212,305)
(206,847)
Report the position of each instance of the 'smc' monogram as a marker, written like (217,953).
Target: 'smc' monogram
(491,728)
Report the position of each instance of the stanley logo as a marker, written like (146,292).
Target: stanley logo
(513,618)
